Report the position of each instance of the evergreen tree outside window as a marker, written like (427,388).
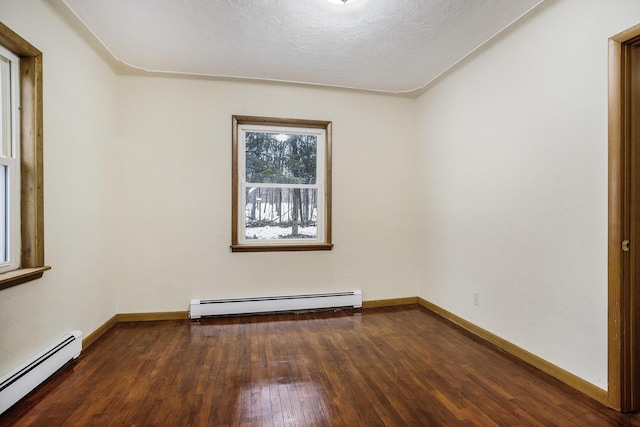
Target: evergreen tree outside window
(281,184)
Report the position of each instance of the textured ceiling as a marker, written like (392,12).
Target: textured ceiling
(381,45)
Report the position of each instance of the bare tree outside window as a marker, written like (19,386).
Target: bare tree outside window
(281,184)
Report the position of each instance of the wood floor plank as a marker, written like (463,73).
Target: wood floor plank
(393,366)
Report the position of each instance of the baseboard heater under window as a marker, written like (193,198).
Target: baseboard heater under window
(19,382)
(282,303)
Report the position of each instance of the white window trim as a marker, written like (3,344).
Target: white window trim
(319,186)
(10,157)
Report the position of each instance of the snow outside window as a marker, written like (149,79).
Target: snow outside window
(281,184)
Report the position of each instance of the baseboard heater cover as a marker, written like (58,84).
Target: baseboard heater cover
(17,383)
(227,306)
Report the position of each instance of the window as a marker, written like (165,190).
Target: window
(9,161)
(281,184)
(21,180)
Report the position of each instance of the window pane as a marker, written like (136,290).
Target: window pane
(281,213)
(278,158)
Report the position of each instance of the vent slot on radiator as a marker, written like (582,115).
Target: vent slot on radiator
(19,382)
(228,306)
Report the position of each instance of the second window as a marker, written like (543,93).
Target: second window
(281,184)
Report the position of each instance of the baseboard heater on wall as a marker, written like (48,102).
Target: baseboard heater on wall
(19,382)
(282,303)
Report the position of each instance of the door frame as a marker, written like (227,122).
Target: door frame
(623,391)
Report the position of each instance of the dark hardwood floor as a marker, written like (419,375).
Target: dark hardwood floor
(398,366)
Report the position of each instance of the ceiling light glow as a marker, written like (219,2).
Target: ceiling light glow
(342,1)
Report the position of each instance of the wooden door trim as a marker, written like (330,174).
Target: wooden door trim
(620,321)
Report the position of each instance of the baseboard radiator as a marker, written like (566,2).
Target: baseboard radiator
(282,303)
(19,382)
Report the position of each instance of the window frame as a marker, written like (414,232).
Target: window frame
(323,242)
(32,264)
(10,161)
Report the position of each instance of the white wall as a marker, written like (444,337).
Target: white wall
(514,184)
(79,131)
(174,213)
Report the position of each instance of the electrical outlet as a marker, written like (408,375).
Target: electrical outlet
(476,298)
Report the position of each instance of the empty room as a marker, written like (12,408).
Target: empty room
(318,212)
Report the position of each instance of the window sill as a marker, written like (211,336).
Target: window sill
(281,248)
(21,275)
